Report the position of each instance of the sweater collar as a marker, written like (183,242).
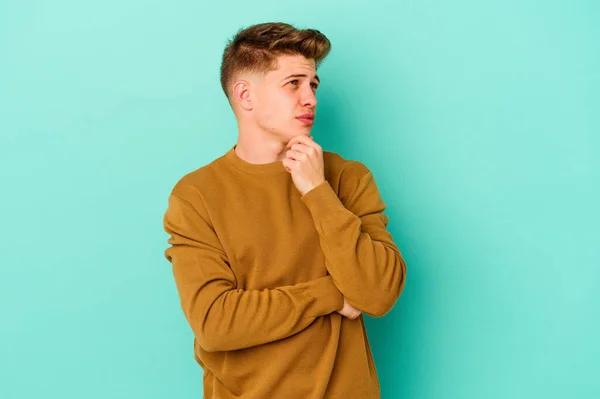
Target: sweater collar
(263,168)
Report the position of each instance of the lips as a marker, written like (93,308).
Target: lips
(308,119)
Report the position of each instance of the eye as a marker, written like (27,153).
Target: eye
(293,82)
(315,86)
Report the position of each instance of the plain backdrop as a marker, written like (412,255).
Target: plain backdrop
(480,121)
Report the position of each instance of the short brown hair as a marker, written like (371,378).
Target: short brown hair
(256,48)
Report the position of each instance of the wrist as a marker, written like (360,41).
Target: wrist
(313,186)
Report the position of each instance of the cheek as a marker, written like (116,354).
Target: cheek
(278,109)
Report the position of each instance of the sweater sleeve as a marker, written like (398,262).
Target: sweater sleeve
(222,316)
(361,256)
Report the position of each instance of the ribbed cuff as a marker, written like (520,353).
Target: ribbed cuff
(322,201)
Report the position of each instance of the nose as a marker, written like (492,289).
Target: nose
(309,99)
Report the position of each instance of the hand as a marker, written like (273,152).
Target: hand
(304,160)
(349,311)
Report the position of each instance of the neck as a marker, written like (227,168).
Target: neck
(257,148)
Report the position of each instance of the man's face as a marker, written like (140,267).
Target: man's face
(282,97)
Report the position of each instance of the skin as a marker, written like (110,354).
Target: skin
(266,107)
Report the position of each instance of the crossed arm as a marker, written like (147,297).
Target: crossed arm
(365,267)
(361,256)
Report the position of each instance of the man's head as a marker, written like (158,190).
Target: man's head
(269,76)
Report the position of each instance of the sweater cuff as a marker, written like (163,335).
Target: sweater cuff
(327,298)
(322,201)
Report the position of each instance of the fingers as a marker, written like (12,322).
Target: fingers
(349,311)
(296,155)
(351,316)
(306,149)
(290,164)
(308,141)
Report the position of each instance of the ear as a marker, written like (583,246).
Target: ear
(241,94)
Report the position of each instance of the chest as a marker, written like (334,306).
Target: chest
(268,235)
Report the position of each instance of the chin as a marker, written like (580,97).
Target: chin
(305,130)
(288,135)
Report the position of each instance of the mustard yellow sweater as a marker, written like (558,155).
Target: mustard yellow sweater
(261,271)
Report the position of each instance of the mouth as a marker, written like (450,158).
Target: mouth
(307,119)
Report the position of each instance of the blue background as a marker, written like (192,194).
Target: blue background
(480,121)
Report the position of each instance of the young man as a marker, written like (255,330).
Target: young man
(277,246)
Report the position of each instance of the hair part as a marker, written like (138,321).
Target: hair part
(256,48)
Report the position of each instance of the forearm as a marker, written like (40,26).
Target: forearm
(369,273)
(222,316)
(360,254)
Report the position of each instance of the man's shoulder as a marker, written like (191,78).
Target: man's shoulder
(202,176)
(344,174)
(337,166)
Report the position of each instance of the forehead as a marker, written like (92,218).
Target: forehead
(290,64)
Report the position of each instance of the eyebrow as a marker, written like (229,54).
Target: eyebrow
(303,76)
